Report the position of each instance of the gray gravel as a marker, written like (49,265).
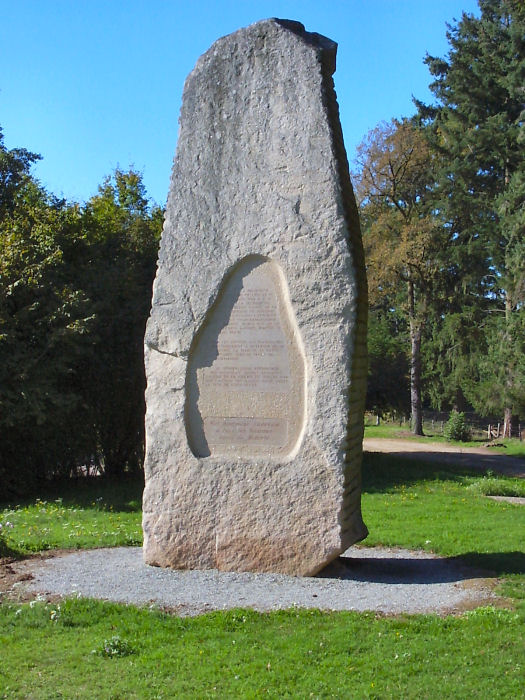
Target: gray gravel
(384,580)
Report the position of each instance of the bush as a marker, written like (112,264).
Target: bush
(456,428)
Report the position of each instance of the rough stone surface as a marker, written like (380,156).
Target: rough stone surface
(255,348)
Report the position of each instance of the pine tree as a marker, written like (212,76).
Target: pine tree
(478,128)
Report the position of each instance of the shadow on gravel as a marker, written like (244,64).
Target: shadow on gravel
(394,570)
(404,571)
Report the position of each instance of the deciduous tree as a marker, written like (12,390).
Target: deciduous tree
(402,237)
(45,320)
(75,290)
(123,231)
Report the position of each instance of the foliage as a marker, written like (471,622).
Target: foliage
(452,353)
(443,208)
(388,384)
(15,165)
(456,427)
(45,322)
(477,127)
(123,234)
(392,179)
(116,646)
(497,378)
(494,486)
(75,289)
(401,236)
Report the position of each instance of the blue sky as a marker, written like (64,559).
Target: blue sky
(96,84)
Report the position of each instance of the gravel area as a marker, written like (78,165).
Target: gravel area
(389,581)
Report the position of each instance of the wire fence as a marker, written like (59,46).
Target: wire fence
(481,427)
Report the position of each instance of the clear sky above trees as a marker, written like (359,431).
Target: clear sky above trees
(95,85)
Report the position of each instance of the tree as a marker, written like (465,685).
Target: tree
(490,388)
(477,127)
(388,389)
(75,290)
(44,325)
(15,167)
(123,232)
(401,235)
(453,350)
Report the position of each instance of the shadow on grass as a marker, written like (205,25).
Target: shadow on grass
(405,570)
(122,494)
(6,552)
(415,466)
(382,472)
(496,563)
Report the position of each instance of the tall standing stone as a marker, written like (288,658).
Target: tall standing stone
(256,348)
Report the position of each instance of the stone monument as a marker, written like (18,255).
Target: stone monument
(255,348)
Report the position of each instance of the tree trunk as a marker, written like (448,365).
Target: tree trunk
(507,411)
(415,366)
(507,423)
(459,402)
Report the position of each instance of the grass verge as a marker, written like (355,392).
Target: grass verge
(494,486)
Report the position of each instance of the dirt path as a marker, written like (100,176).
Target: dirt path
(479,458)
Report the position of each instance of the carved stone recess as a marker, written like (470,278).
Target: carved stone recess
(256,345)
(245,387)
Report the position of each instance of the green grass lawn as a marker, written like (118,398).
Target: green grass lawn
(420,505)
(91,649)
(83,514)
(88,649)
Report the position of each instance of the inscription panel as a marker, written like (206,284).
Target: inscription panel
(252,352)
(246,373)
(248,431)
